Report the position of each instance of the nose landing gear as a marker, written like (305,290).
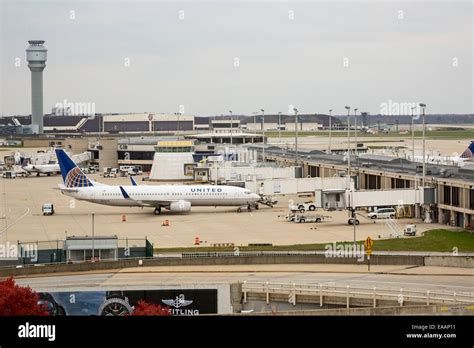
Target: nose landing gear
(157,211)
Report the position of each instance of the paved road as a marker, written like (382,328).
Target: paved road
(149,278)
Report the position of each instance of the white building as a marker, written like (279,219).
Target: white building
(173,161)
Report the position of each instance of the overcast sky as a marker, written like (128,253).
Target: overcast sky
(215,56)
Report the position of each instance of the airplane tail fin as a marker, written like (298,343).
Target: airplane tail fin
(72,175)
(469,152)
(134,183)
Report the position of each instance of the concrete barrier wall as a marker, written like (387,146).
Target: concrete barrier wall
(450,261)
(232,260)
(444,261)
(395,310)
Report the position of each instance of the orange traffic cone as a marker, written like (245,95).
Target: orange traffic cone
(166,223)
(196,241)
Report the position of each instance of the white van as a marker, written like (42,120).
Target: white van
(131,170)
(383,213)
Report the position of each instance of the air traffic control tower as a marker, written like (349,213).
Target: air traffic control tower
(36,57)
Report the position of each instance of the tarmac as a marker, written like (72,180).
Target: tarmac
(21,219)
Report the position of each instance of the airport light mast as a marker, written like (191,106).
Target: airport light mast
(348,108)
(263,129)
(279,127)
(423,106)
(412,135)
(355,131)
(231,136)
(352,208)
(330,130)
(296,135)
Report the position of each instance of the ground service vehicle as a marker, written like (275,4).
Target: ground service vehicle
(302,218)
(302,207)
(48,209)
(410,230)
(351,221)
(9,175)
(110,172)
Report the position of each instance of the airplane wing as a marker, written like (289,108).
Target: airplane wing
(155,203)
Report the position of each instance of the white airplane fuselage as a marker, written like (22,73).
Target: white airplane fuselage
(163,195)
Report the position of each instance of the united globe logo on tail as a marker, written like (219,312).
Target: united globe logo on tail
(76,178)
(469,153)
(71,173)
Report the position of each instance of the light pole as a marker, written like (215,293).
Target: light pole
(330,130)
(93,251)
(231,138)
(263,129)
(348,108)
(423,106)
(296,135)
(279,127)
(352,209)
(412,135)
(355,130)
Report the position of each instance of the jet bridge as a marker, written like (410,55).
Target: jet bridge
(376,198)
(340,199)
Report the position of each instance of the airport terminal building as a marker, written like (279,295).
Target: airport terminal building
(454,186)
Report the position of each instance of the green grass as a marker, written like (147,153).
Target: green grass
(433,240)
(436,134)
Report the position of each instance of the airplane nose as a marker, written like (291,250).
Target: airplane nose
(256,196)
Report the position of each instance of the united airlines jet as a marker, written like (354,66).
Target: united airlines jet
(176,198)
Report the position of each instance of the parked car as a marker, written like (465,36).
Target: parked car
(383,213)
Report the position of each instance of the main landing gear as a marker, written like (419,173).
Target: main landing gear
(248,206)
(157,211)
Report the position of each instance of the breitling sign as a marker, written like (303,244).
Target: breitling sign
(116,303)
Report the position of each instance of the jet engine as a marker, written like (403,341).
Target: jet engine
(180,206)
